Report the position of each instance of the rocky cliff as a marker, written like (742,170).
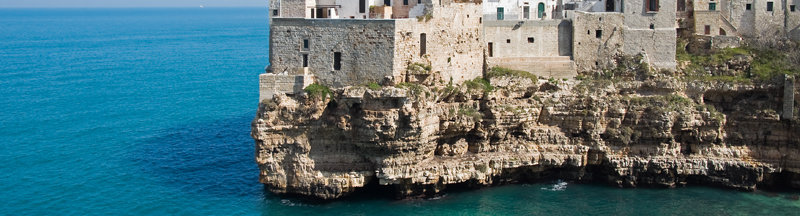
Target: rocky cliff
(629,127)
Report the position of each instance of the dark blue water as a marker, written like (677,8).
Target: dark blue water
(147,112)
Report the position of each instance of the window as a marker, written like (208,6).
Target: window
(708,29)
(769,6)
(508,40)
(305,43)
(598,33)
(491,49)
(419,1)
(652,26)
(337,61)
(362,6)
(405,2)
(305,60)
(791,8)
(275,12)
(722,32)
(652,5)
(748,6)
(422,44)
(499,13)
(526,12)
(530,40)
(712,6)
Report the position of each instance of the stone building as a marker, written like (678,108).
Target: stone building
(341,43)
(345,52)
(599,31)
(749,18)
(521,10)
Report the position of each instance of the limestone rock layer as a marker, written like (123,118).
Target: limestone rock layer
(653,131)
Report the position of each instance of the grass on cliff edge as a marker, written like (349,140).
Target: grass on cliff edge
(479,83)
(318,91)
(770,59)
(498,71)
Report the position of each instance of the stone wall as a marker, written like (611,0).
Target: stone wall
(288,8)
(511,38)
(769,23)
(651,33)
(270,84)
(454,46)
(512,10)
(541,47)
(366,47)
(741,18)
(793,19)
(590,51)
(715,21)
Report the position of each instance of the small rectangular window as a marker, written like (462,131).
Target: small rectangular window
(491,50)
(530,40)
(508,40)
(791,8)
(652,5)
(769,6)
(305,43)
(423,44)
(405,2)
(708,29)
(419,1)
(598,33)
(305,60)
(275,12)
(748,6)
(362,5)
(500,14)
(712,6)
(337,61)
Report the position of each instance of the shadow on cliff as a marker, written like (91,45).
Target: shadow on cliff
(214,158)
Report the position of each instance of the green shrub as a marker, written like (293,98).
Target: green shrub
(414,89)
(498,71)
(374,86)
(427,17)
(419,68)
(480,84)
(317,91)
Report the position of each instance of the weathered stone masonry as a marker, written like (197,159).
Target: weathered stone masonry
(366,48)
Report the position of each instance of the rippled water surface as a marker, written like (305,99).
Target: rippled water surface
(147,112)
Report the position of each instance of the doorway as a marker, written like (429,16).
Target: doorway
(541,10)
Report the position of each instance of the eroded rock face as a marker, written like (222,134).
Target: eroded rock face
(658,131)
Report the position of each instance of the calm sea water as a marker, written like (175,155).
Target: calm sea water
(147,112)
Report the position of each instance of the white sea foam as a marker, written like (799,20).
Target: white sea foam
(560,185)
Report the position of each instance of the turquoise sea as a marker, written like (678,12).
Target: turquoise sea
(147,112)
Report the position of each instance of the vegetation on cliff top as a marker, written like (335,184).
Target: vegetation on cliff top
(498,71)
(760,60)
(479,83)
(318,91)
